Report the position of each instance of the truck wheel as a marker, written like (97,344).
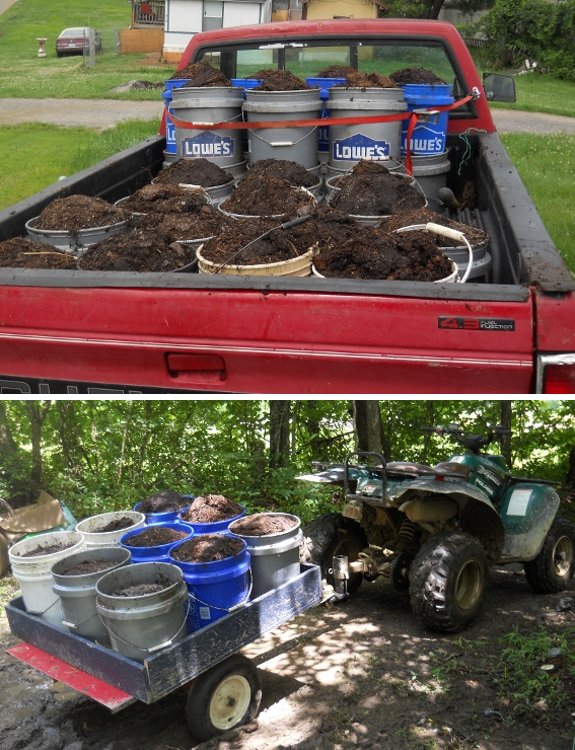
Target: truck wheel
(224,697)
(447,581)
(331,535)
(552,570)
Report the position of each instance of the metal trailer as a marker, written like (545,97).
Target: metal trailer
(224,686)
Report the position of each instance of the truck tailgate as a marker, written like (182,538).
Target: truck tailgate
(257,341)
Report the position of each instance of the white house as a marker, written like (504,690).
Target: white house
(184,18)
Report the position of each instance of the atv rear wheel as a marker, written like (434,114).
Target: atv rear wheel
(331,535)
(552,570)
(447,581)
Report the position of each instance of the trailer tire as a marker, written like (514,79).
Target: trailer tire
(330,535)
(552,570)
(447,581)
(224,697)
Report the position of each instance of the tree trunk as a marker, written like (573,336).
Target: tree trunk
(506,415)
(368,426)
(280,419)
(434,7)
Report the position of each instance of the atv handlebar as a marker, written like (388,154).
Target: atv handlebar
(471,441)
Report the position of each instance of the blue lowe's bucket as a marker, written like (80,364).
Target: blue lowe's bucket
(215,527)
(159,552)
(172,83)
(169,516)
(216,586)
(245,83)
(324,85)
(430,133)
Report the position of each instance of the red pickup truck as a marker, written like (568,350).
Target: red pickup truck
(512,332)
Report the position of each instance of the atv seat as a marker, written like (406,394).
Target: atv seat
(453,469)
(408,469)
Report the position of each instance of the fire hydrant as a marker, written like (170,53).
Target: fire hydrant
(42,46)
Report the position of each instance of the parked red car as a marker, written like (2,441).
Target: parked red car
(76,41)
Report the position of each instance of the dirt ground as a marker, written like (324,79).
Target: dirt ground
(361,674)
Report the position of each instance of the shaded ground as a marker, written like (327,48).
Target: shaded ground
(362,674)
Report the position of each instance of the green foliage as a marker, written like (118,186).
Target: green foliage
(530,692)
(536,30)
(105,455)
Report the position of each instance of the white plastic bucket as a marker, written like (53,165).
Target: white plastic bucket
(34,573)
(209,106)
(90,528)
(349,144)
(293,143)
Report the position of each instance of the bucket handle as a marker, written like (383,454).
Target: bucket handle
(284,143)
(43,612)
(158,646)
(227,609)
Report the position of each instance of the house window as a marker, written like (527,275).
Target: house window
(213,16)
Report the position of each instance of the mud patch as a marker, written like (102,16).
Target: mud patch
(211,508)
(193,172)
(263,195)
(207,548)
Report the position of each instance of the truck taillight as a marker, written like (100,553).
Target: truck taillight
(556,374)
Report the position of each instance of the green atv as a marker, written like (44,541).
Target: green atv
(434,531)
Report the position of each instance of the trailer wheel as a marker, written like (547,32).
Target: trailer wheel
(552,570)
(330,535)
(448,580)
(224,697)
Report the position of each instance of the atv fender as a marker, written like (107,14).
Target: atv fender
(476,514)
(527,512)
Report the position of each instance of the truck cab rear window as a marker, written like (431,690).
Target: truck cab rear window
(307,59)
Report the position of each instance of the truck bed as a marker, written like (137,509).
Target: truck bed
(84,331)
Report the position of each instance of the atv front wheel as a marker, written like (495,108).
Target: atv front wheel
(447,581)
(331,535)
(552,570)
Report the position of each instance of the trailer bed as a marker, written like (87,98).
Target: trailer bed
(165,671)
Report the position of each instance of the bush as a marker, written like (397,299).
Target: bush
(536,30)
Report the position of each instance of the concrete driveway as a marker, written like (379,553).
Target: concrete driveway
(100,114)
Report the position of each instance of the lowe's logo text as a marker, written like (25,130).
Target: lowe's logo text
(208,144)
(359,147)
(424,140)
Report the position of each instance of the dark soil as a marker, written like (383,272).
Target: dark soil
(373,254)
(124,522)
(325,229)
(273,79)
(356,79)
(474,235)
(202,74)
(87,566)
(165,501)
(371,190)
(261,524)
(415,75)
(140,249)
(262,195)
(193,172)
(205,222)
(77,212)
(165,199)
(21,252)
(210,508)
(238,246)
(155,536)
(207,548)
(49,549)
(294,173)
(142,589)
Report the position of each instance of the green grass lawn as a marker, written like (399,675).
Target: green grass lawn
(51,152)
(24,74)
